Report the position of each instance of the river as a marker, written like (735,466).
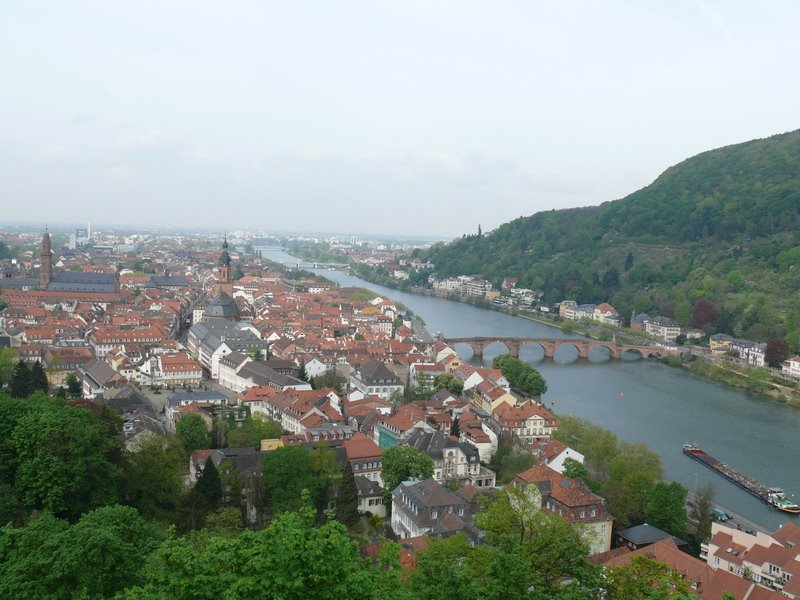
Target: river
(641,401)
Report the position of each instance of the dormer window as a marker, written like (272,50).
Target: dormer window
(434,514)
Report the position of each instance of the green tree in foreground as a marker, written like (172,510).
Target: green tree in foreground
(403,462)
(702,511)
(252,431)
(667,508)
(154,476)
(38,378)
(74,386)
(20,386)
(287,472)
(509,461)
(102,554)
(66,459)
(209,486)
(192,432)
(8,364)
(291,558)
(347,498)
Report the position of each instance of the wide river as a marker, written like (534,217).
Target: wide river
(641,401)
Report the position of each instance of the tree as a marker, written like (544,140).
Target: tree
(193,433)
(705,313)
(287,472)
(520,375)
(455,429)
(403,462)
(154,476)
(255,353)
(209,486)
(252,431)
(38,378)
(192,512)
(66,459)
(553,548)
(8,364)
(99,556)
(449,382)
(74,386)
(291,558)
(776,352)
(645,578)
(702,510)
(453,556)
(509,461)
(575,470)
(225,522)
(21,381)
(667,508)
(302,375)
(347,498)
(628,262)
(330,379)
(683,313)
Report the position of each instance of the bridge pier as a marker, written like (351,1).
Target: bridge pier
(513,348)
(477,350)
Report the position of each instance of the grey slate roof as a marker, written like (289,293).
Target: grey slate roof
(646,534)
(435,444)
(168,281)
(377,373)
(428,496)
(74,281)
(222,306)
(18,282)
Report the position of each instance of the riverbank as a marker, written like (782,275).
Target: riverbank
(752,378)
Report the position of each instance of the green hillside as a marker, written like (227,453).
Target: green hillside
(723,225)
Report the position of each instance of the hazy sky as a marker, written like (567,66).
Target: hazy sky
(410,117)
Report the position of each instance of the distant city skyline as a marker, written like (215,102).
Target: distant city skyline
(416,119)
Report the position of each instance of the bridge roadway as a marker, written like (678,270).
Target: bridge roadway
(583,346)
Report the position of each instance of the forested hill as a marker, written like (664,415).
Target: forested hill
(722,225)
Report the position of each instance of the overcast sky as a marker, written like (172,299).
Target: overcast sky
(404,117)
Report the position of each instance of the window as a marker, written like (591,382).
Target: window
(716,560)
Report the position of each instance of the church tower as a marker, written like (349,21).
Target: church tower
(46,270)
(225,264)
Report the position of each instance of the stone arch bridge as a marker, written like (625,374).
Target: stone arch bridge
(583,346)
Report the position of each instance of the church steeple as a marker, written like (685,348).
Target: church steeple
(46,269)
(225,263)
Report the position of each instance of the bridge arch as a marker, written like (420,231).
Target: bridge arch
(608,351)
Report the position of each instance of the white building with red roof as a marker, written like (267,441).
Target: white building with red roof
(605,313)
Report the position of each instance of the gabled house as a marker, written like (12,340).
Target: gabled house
(426,508)
(365,457)
(376,378)
(529,421)
(572,500)
(453,461)
(553,454)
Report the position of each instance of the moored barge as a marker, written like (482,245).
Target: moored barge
(775,497)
